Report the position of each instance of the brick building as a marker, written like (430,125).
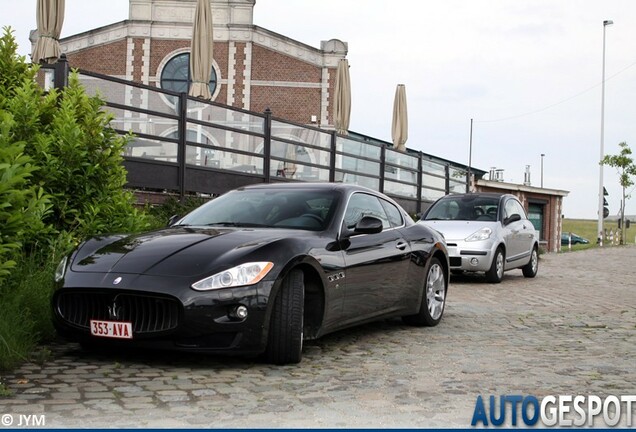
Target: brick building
(254,68)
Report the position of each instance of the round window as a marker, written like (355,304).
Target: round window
(176,75)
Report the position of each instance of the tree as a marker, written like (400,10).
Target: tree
(626,168)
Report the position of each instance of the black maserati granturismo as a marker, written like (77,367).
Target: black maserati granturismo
(255,271)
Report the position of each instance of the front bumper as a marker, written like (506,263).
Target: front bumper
(470,256)
(170,315)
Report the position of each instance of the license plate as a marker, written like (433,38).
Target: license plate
(112,329)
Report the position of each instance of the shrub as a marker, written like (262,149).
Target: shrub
(62,179)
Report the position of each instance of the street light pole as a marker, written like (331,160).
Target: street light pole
(600,177)
(542,155)
(470,157)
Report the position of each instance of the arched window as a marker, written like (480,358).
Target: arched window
(175,75)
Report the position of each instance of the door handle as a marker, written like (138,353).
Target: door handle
(400,245)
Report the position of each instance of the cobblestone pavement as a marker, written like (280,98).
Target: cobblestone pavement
(569,331)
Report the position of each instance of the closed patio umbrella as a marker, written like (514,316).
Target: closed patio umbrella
(201,51)
(342,103)
(50,17)
(400,126)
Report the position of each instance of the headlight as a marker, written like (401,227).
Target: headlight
(60,271)
(241,275)
(482,234)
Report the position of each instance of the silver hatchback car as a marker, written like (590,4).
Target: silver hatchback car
(485,232)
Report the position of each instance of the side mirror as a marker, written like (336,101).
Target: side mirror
(368,225)
(173,219)
(511,219)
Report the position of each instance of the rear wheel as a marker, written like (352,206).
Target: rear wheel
(285,339)
(495,274)
(530,270)
(433,298)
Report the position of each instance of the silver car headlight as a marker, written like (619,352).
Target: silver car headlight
(482,234)
(60,271)
(241,275)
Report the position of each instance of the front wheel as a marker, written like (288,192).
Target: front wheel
(530,270)
(433,298)
(495,274)
(285,338)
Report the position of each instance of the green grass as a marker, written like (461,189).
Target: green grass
(26,318)
(587,228)
(5,391)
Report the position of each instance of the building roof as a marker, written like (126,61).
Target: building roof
(507,187)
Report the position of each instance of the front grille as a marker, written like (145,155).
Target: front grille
(147,313)
(455,261)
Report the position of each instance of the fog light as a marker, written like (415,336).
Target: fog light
(239,312)
(474,261)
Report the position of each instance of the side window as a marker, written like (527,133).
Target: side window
(361,205)
(394,214)
(513,207)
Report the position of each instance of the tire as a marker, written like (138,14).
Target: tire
(495,274)
(433,297)
(285,337)
(530,270)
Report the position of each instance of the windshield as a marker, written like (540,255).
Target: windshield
(299,209)
(465,208)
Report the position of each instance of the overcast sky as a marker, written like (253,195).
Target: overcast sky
(528,73)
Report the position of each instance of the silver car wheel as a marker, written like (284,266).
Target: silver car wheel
(534,261)
(435,291)
(500,265)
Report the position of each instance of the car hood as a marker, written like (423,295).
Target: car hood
(458,230)
(181,251)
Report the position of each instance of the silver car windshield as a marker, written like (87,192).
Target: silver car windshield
(465,208)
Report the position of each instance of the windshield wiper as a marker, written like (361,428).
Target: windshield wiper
(237,224)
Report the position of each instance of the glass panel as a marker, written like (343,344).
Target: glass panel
(371,183)
(357,165)
(395,173)
(431,195)
(152,149)
(220,159)
(141,123)
(400,189)
(357,148)
(299,153)
(433,168)
(402,159)
(225,117)
(128,95)
(457,174)
(455,188)
(298,171)
(301,134)
(431,181)
(221,138)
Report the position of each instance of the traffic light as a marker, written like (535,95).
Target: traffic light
(605,209)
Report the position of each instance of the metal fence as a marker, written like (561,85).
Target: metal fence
(188,145)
